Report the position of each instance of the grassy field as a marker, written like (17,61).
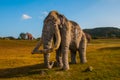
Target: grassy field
(17,62)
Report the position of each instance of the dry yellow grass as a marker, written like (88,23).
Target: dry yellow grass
(17,62)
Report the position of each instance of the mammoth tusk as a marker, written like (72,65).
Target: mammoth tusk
(58,37)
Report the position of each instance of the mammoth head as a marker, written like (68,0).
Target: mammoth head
(55,18)
(52,24)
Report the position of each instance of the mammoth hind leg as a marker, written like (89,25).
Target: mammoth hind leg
(82,50)
(73,57)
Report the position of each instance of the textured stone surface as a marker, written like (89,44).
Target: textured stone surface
(66,35)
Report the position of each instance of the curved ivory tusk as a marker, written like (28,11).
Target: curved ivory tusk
(58,37)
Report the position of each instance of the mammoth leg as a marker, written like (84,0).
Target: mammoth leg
(46,61)
(82,49)
(65,48)
(65,58)
(73,57)
(59,58)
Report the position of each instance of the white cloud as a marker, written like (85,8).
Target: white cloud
(43,15)
(26,17)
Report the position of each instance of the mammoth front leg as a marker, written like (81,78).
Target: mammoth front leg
(65,47)
(47,62)
(59,58)
(65,58)
(82,49)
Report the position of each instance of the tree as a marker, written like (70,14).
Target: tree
(22,36)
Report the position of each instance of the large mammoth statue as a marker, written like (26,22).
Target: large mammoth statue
(66,35)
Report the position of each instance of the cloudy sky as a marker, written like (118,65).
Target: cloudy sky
(18,16)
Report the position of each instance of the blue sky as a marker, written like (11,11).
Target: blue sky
(18,16)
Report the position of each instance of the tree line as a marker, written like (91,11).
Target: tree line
(95,33)
(22,36)
(103,32)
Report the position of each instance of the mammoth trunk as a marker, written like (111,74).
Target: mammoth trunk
(48,40)
(47,43)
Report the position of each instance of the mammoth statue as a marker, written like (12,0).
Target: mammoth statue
(66,35)
(29,36)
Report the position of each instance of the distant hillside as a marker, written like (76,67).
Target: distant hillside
(104,32)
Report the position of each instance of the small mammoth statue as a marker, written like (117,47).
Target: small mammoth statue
(66,35)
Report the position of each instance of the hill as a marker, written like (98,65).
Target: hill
(104,32)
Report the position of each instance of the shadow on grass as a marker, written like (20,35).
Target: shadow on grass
(110,48)
(23,71)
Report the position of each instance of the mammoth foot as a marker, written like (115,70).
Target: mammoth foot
(50,65)
(83,61)
(60,65)
(65,68)
(72,62)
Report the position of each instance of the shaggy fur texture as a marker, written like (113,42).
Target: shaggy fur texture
(66,35)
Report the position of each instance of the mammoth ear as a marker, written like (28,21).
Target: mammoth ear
(62,20)
(61,17)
